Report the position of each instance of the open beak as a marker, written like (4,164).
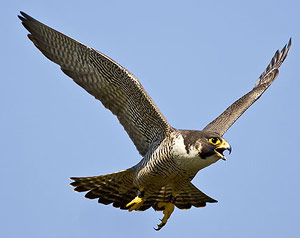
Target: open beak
(221,148)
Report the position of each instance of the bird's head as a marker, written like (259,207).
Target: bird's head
(211,144)
(203,148)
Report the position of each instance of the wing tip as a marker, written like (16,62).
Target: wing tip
(27,21)
(290,42)
(273,66)
(24,17)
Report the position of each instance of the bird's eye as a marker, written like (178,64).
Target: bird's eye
(214,140)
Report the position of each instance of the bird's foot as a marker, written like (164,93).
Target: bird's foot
(168,208)
(137,202)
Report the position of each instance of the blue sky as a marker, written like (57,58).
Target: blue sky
(194,58)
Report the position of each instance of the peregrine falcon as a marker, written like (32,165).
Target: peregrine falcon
(170,157)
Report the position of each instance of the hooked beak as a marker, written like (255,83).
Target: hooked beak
(221,148)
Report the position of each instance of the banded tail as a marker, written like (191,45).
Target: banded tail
(118,188)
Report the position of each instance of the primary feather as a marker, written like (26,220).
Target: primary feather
(171,158)
(106,80)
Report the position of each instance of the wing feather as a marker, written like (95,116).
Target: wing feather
(188,196)
(223,122)
(117,89)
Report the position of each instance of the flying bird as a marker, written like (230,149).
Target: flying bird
(170,157)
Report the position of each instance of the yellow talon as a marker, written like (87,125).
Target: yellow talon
(135,204)
(168,210)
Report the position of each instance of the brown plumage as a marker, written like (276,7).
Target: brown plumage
(222,123)
(118,189)
(171,157)
(106,80)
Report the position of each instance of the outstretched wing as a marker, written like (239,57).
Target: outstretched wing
(222,123)
(106,80)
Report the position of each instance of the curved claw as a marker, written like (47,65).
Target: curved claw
(159,226)
(168,210)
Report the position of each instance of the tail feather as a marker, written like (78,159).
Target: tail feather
(116,188)
(188,196)
(191,196)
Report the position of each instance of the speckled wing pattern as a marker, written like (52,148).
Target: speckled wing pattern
(222,123)
(106,80)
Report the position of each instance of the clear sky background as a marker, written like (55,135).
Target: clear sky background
(194,58)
